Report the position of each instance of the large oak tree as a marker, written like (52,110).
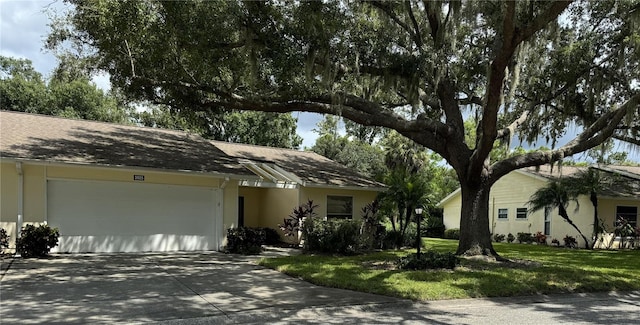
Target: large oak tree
(525,68)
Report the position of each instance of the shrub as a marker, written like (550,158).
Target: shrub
(428,260)
(37,241)
(499,238)
(391,239)
(510,238)
(525,237)
(271,236)
(540,238)
(4,240)
(291,224)
(331,236)
(410,236)
(570,241)
(246,241)
(434,228)
(453,233)
(371,231)
(555,242)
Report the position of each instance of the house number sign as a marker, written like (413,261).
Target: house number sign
(138,177)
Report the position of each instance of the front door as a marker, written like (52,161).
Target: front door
(240,211)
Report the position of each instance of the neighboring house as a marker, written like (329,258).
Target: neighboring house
(117,188)
(509,213)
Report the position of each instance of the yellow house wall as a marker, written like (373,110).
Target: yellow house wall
(252,206)
(581,213)
(607,210)
(451,212)
(319,197)
(230,209)
(512,192)
(104,174)
(277,204)
(9,199)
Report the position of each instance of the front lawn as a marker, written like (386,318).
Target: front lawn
(548,270)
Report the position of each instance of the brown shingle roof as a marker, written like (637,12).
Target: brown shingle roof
(55,139)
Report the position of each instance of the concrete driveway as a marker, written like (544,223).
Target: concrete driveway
(153,287)
(214,288)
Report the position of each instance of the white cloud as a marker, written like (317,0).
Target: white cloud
(23,28)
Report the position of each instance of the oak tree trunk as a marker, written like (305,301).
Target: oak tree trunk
(475,235)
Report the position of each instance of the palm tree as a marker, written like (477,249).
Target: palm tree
(556,195)
(591,182)
(408,186)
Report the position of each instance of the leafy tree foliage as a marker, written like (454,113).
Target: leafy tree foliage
(69,93)
(516,65)
(362,156)
(21,87)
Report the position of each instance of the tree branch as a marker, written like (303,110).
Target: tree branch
(598,132)
(416,28)
(487,129)
(384,7)
(511,38)
(433,14)
(626,138)
(428,132)
(542,20)
(509,130)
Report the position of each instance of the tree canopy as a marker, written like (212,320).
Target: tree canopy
(522,67)
(67,94)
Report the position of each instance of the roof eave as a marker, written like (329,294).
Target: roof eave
(124,167)
(346,187)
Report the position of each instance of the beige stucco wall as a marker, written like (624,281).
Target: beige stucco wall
(252,205)
(35,188)
(9,199)
(319,197)
(607,209)
(512,192)
(451,212)
(581,213)
(268,207)
(126,175)
(277,204)
(229,209)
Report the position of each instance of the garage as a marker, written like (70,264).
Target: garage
(103,216)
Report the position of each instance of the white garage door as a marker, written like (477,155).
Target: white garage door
(132,217)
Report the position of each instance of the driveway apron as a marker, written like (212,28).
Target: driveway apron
(154,287)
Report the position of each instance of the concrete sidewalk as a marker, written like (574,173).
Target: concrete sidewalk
(214,288)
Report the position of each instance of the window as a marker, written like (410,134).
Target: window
(521,213)
(339,207)
(547,221)
(503,213)
(627,213)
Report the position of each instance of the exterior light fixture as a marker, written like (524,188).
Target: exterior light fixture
(418,210)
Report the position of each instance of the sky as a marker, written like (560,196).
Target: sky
(24,26)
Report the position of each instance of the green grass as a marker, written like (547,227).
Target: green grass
(556,270)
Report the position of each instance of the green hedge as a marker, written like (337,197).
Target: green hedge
(331,236)
(428,260)
(245,240)
(453,233)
